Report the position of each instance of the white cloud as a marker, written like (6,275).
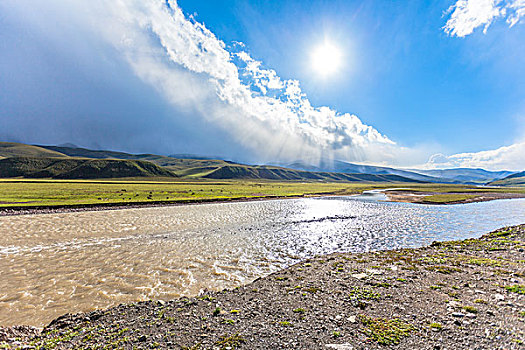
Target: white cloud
(508,157)
(222,86)
(189,65)
(467,15)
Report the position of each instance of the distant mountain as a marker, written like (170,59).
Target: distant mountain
(189,156)
(516,179)
(68,144)
(351,168)
(457,175)
(74,162)
(277,173)
(192,166)
(467,175)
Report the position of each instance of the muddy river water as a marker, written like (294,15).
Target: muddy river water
(51,264)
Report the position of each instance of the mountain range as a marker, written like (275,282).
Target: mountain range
(69,161)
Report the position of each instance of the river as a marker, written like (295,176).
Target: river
(51,264)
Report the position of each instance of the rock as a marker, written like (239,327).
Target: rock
(499,297)
(458,314)
(345,346)
(360,276)
(374,271)
(454,303)
(352,319)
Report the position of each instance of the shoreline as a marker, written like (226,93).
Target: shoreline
(392,195)
(418,197)
(25,210)
(456,294)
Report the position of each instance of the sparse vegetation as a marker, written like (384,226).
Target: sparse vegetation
(470,309)
(448,198)
(385,331)
(436,325)
(518,288)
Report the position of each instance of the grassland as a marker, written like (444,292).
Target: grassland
(448,198)
(27,193)
(42,193)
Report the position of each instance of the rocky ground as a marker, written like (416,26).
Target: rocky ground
(451,295)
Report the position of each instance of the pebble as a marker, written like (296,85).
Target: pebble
(498,296)
(345,346)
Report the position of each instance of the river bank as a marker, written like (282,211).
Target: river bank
(440,198)
(416,197)
(462,295)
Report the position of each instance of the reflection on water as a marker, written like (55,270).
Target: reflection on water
(56,263)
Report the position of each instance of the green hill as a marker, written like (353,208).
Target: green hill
(62,162)
(78,168)
(171,163)
(276,173)
(517,179)
(13,149)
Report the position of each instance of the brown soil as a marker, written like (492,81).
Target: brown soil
(451,295)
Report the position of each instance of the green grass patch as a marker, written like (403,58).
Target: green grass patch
(448,198)
(385,331)
(518,288)
(435,325)
(470,309)
(230,342)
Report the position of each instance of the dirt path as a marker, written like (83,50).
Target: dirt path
(453,295)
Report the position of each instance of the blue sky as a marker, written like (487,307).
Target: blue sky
(404,75)
(417,82)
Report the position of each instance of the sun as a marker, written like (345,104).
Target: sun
(326,59)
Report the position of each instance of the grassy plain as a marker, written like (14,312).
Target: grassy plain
(448,198)
(28,193)
(48,193)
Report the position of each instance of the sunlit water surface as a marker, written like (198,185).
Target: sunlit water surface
(51,264)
